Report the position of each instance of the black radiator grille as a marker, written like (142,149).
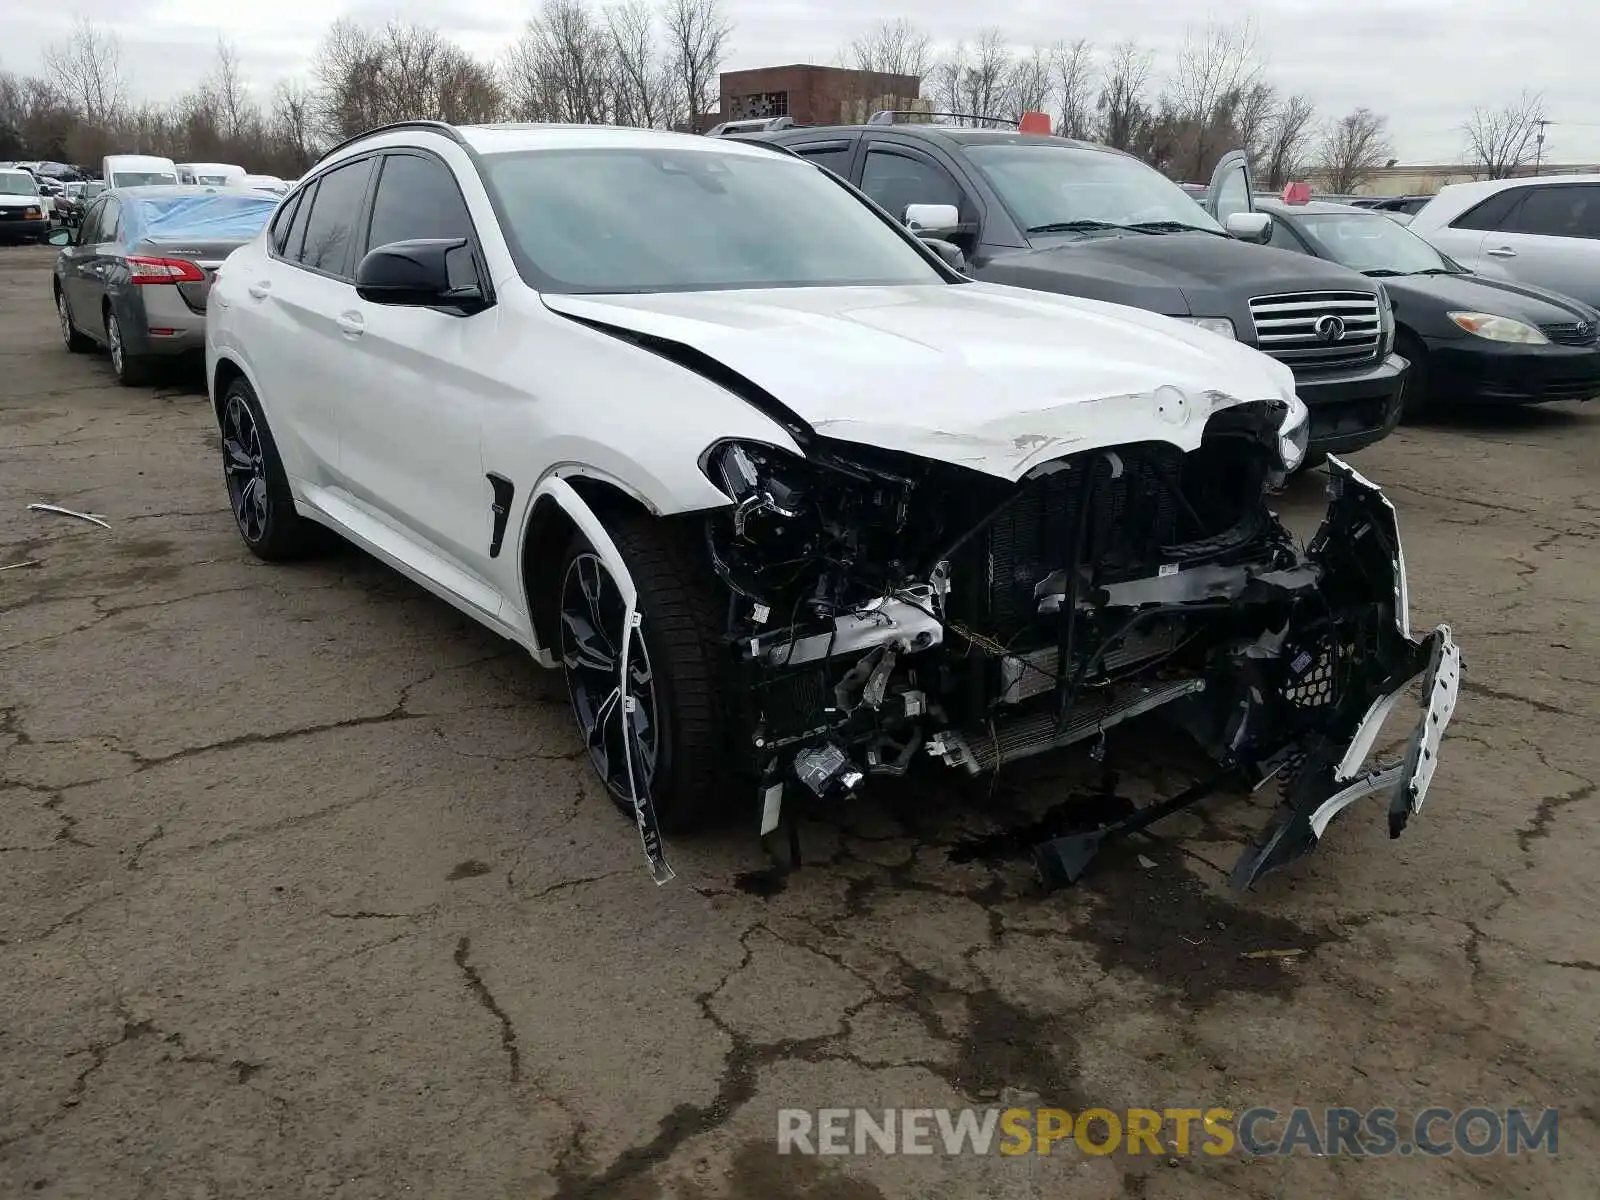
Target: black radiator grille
(1132,515)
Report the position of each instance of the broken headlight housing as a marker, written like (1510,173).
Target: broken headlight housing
(1294,435)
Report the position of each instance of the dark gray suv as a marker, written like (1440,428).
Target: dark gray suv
(1078,219)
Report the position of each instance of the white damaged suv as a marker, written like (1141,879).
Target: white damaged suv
(791,501)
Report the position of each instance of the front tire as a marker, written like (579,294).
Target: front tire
(1416,401)
(677,730)
(258,487)
(76,342)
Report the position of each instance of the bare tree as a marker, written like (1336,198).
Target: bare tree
(642,81)
(892,48)
(697,42)
(399,72)
(1031,84)
(86,69)
(1353,148)
(293,116)
(1074,87)
(1215,98)
(976,82)
(561,68)
(1287,142)
(230,93)
(1502,140)
(1123,110)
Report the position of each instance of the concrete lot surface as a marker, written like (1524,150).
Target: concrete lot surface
(304,890)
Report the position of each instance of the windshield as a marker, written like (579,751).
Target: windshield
(1045,185)
(674,220)
(17,183)
(141,178)
(1371,242)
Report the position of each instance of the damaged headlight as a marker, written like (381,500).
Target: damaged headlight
(761,493)
(1499,329)
(1220,326)
(1294,434)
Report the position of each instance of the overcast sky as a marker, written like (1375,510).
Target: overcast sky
(1424,63)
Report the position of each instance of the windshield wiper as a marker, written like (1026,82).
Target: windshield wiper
(1175,227)
(1384,272)
(1079,226)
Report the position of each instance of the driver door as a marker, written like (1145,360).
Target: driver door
(1232,188)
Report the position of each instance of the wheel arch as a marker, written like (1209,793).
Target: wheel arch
(562,506)
(223,375)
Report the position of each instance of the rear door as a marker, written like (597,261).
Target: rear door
(1463,239)
(411,410)
(1232,187)
(1551,238)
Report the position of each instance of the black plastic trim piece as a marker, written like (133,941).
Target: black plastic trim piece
(504,489)
(440,127)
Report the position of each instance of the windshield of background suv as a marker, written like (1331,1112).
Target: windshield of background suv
(17,183)
(1370,242)
(142,178)
(1046,185)
(668,220)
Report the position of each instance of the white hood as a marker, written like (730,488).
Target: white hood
(990,377)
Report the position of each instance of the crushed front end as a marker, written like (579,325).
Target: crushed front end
(885,610)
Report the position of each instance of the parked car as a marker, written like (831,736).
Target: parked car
(1469,338)
(1543,231)
(1079,219)
(136,274)
(24,216)
(137,170)
(786,497)
(1409,205)
(214,174)
(265,183)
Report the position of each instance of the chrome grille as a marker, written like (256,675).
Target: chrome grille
(1570,333)
(1316,330)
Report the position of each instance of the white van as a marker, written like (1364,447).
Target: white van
(213,174)
(136,170)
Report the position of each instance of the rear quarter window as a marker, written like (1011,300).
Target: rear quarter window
(1492,212)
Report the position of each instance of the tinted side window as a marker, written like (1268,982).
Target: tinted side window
(335,213)
(1566,210)
(283,220)
(89,233)
(417,198)
(110,221)
(896,180)
(833,155)
(1491,213)
(1284,238)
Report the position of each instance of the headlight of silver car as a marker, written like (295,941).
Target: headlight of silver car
(1499,329)
(1294,434)
(1217,325)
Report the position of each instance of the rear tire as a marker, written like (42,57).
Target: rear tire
(258,488)
(679,722)
(132,371)
(1416,400)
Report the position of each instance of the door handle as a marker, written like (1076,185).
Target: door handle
(258,291)
(1501,252)
(350,324)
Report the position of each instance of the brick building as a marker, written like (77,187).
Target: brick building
(815,95)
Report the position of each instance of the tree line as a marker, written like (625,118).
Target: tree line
(657,65)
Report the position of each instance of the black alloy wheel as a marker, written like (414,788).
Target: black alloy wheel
(246,467)
(614,725)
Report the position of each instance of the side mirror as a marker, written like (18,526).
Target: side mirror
(949,251)
(932,220)
(60,237)
(416,274)
(1253,227)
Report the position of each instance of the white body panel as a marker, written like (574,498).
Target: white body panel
(113,165)
(217,174)
(389,419)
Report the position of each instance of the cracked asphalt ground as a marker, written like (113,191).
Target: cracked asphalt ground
(304,891)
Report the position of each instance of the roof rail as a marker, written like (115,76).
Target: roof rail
(443,128)
(886,116)
(750,125)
